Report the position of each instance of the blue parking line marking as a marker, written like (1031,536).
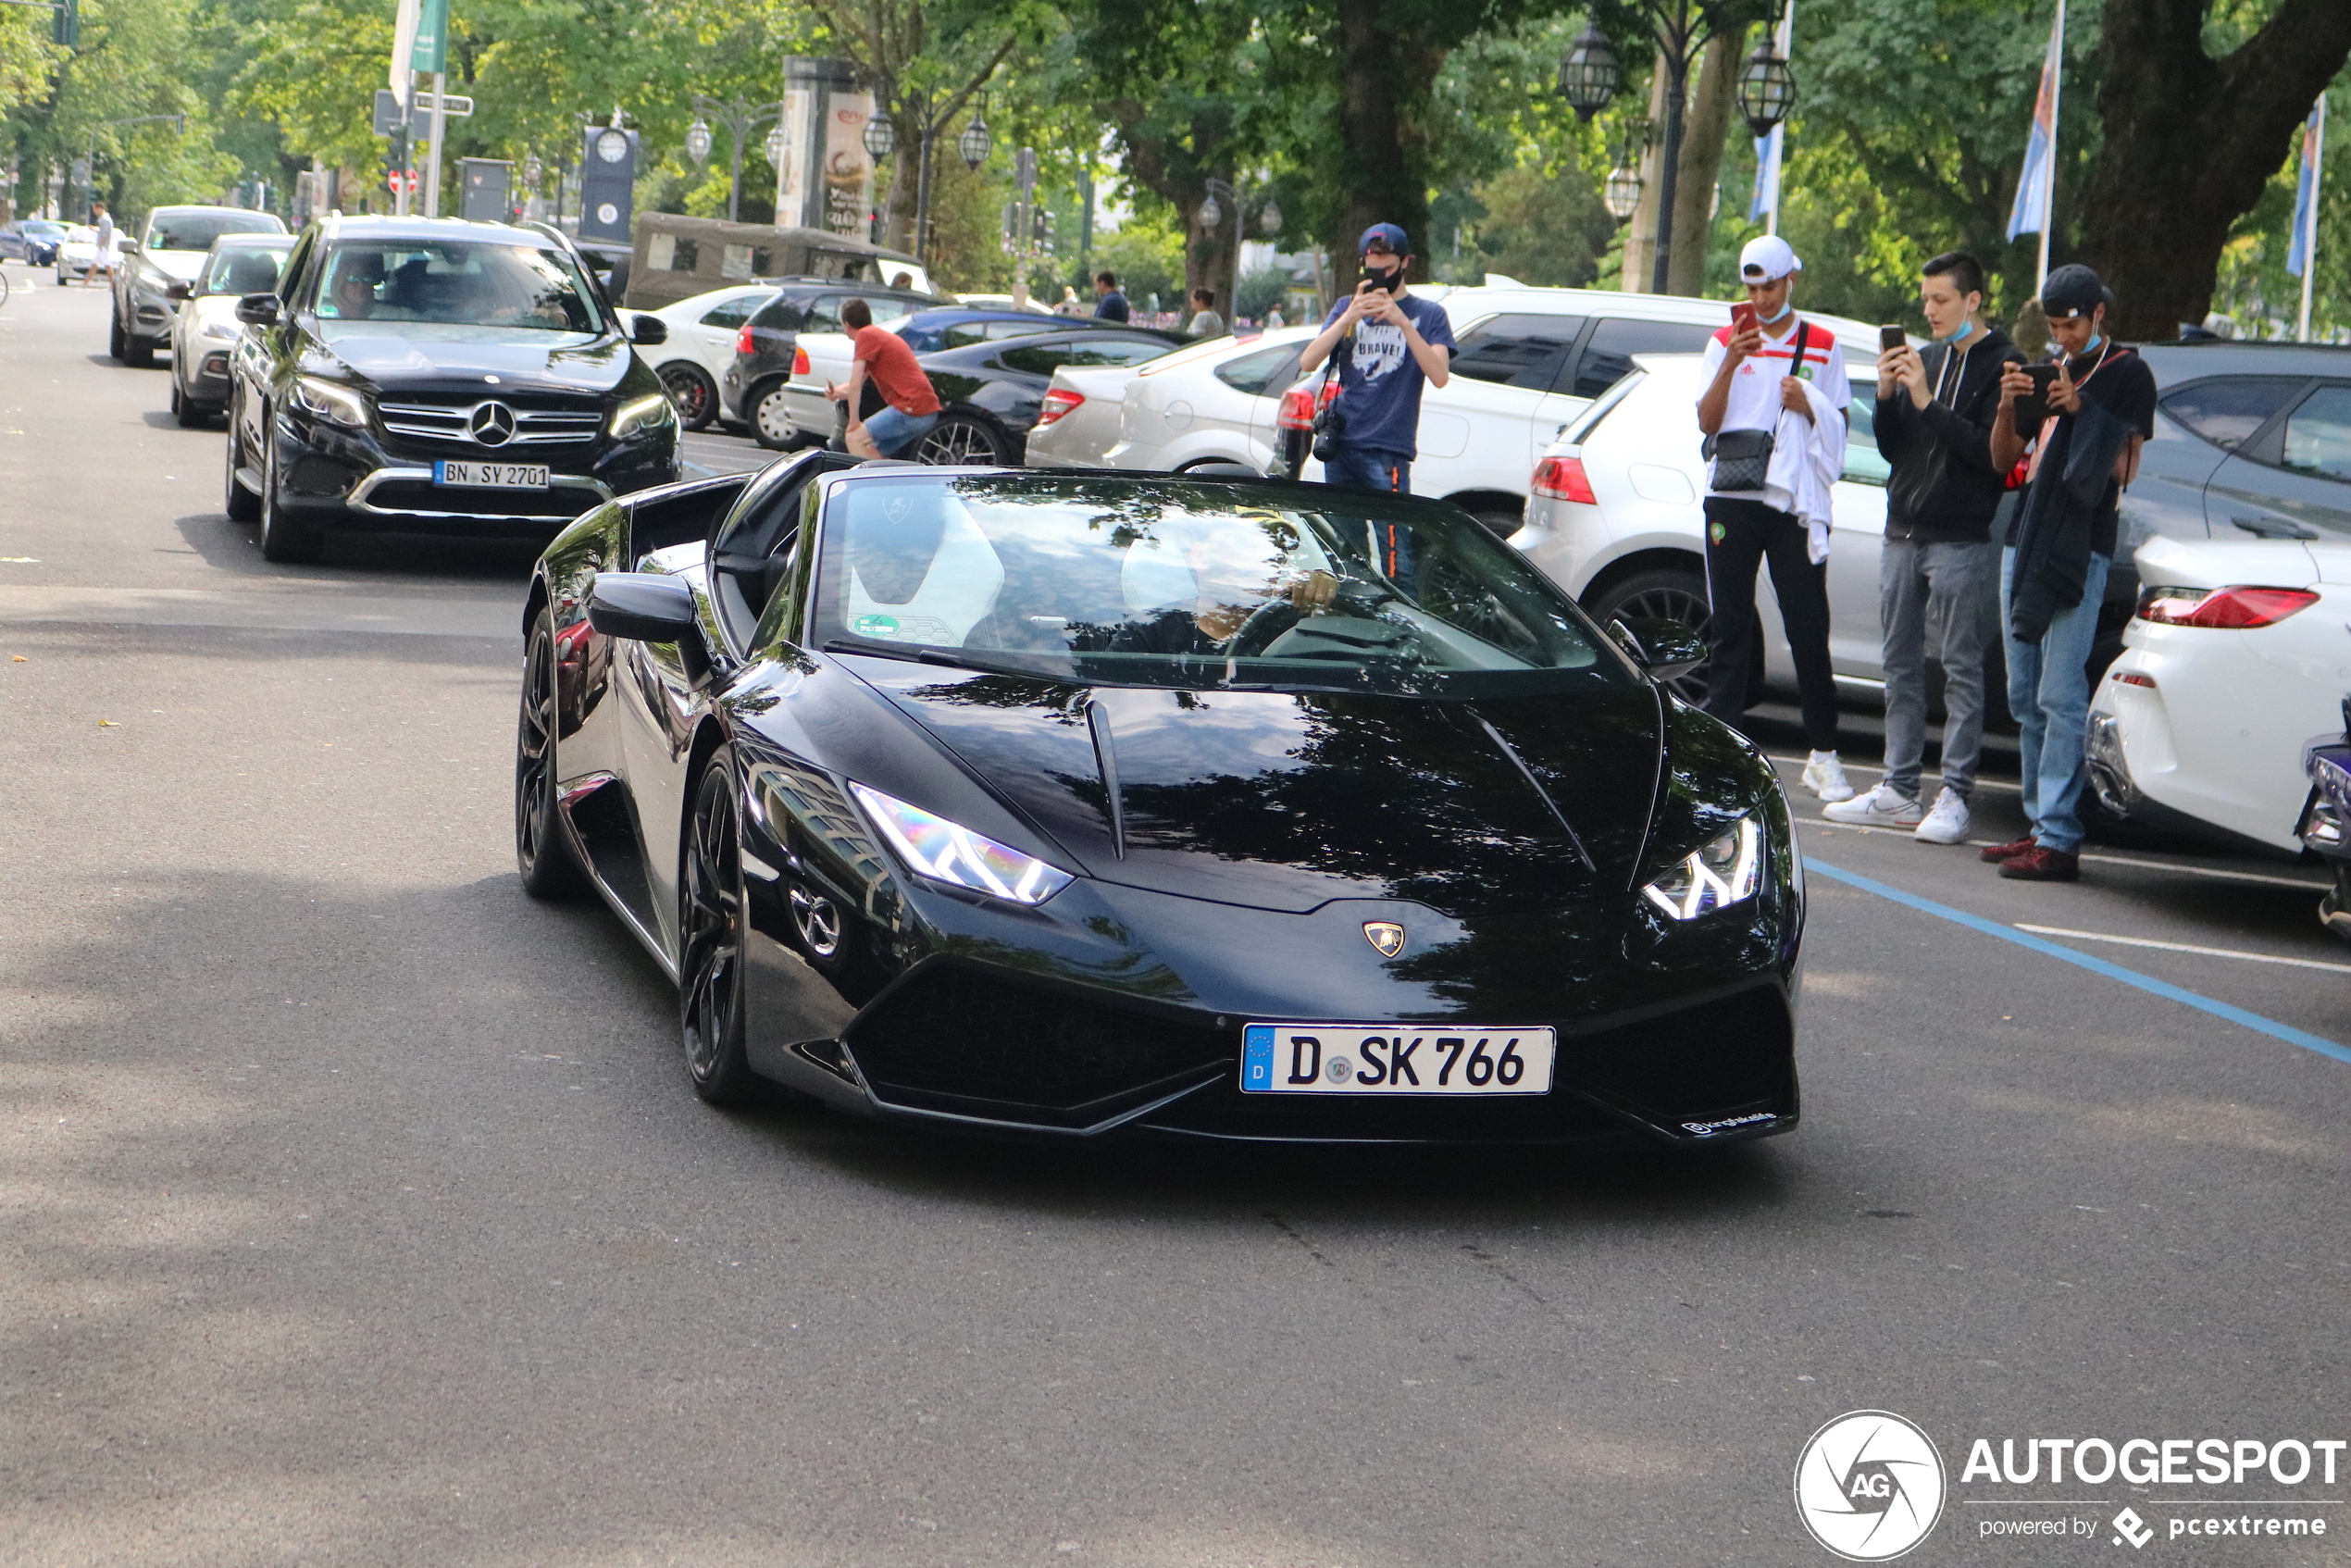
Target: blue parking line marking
(2253,1021)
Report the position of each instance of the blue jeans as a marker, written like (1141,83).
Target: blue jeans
(1362,468)
(2049,694)
(894,432)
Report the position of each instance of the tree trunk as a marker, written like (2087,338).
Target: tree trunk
(1704,133)
(905,183)
(1640,235)
(2190,144)
(1384,81)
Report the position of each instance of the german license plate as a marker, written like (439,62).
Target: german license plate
(1394,1059)
(491,475)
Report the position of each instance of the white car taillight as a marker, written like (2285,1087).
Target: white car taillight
(1562,478)
(2223,609)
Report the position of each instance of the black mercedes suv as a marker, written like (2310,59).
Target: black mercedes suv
(434,375)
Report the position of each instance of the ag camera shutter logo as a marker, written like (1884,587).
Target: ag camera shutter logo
(1869,1486)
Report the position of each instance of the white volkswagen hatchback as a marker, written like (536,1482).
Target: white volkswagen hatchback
(702,345)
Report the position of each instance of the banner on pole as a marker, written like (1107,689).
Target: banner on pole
(1767,176)
(2305,189)
(2029,215)
(430,52)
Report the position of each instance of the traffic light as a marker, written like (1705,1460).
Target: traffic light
(65,24)
(1040,235)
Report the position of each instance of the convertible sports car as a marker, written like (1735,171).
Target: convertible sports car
(1072,802)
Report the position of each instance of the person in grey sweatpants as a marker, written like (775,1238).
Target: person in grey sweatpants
(1939,568)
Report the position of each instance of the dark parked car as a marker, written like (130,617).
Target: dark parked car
(764,347)
(1077,804)
(993,392)
(429,376)
(32,241)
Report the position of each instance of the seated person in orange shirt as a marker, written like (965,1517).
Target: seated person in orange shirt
(910,407)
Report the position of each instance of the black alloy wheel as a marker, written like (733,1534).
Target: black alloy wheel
(283,538)
(711,929)
(1664,593)
(692,391)
(771,424)
(543,854)
(242,505)
(959,439)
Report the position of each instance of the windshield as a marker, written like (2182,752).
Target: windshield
(196,231)
(455,282)
(1169,582)
(245,269)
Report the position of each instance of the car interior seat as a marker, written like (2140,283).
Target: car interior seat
(920,570)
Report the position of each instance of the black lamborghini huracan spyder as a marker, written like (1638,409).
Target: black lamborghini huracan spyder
(1069,803)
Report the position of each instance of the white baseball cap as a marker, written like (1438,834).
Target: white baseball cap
(1765,257)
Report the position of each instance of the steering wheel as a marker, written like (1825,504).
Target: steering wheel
(1265,626)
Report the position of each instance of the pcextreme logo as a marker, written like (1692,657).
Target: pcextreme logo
(1869,1486)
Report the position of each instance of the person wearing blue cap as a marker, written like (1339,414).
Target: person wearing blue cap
(1386,346)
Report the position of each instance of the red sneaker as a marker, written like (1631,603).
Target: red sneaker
(1995,853)
(2038,865)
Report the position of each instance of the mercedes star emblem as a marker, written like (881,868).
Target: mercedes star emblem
(492,424)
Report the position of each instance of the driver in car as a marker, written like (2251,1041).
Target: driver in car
(1230,591)
(355,289)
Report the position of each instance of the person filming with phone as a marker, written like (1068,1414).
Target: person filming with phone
(2085,418)
(1386,345)
(1938,571)
(1774,416)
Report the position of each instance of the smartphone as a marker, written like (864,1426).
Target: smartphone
(2033,409)
(1386,280)
(1742,318)
(1890,338)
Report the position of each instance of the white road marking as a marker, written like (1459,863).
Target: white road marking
(2294,882)
(2180,947)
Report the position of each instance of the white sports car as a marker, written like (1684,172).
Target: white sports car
(2239,659)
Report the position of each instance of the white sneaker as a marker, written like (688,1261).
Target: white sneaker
(1946,824)
(1882,807)
(1824,776)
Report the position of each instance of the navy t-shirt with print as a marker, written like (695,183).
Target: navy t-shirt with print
(1379,384)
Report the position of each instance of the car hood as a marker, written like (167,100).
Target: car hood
(419,355)
(1286,801)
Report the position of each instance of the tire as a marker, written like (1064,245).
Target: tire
(242,505)
(692,391)
(116,346)
(711,925)
(1501,525)
(191,417)
(771,425)
(1668,593)
(138,352)
(543,854)
(283,540)
(959,439)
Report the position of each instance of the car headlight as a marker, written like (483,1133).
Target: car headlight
(1726,871)
(324,400)
(946,853)
(219,332)
(644,414)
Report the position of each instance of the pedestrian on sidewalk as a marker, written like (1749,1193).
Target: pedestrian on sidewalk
(1938,571)
(2052,572)
(1389,346)
(910,404)
(1205,322)
(101,250)
(1755,410)
(1108,304)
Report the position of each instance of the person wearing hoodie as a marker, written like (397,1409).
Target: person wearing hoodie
(2085,452)
(1938,571)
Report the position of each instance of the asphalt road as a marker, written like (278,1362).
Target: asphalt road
(354,1208)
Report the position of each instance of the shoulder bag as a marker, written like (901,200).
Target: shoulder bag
(1743,458)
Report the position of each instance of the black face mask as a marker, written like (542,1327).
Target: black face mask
(1391,281)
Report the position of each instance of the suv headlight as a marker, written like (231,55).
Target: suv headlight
(324,400)
(944,851)
(644,414)
(1726,871)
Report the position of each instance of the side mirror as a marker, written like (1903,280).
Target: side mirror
(1666,648)
(258,311)
(643,607)
(179,292)
(648,330)
(128,247)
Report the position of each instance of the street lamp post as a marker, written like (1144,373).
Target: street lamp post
(1212,217)
(740,120)
(973,146)
(1621,195)
(1589,77)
